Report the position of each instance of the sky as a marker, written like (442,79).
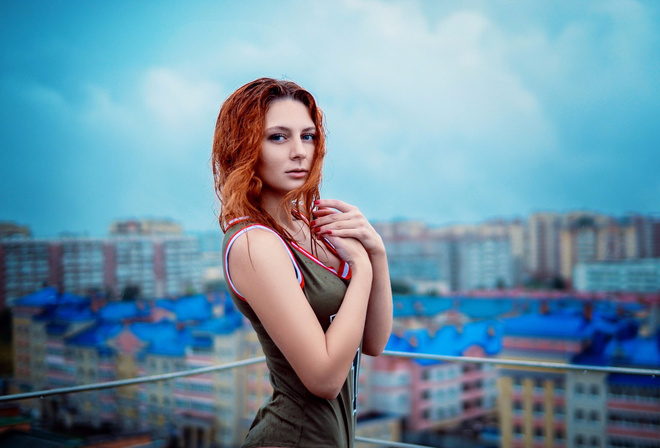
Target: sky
(444,112)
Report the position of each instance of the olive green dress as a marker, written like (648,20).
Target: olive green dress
(293,416)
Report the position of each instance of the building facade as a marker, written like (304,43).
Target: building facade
(150,265)
(640,275)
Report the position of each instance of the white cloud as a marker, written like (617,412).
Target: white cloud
(178,102)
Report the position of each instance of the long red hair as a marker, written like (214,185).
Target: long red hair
(237,140)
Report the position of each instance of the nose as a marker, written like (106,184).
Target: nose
(298,149)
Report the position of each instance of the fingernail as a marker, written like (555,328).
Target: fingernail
(329,232)
(317,202)
(313,223)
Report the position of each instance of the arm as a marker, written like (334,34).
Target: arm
(264,275)
(336,220)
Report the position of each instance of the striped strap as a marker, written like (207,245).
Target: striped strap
(246,229)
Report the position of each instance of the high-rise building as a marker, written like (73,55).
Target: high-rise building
(26,265)
(13,230)
(640,275)
(458,257)
(147,226)
(579,240)
(484,262)
(147,265)
(543,259)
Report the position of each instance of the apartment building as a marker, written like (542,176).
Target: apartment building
(543,407)
(432,394)
(617,409)
(459,257)
(63,340)
(543,256)
(639,275)
(508,253)
(154,265)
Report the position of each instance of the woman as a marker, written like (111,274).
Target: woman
(310,274)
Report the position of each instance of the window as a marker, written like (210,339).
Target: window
(595,441)
(579,440)
(538,408)
(579,388)
(594,390)
(579,414)
(559,434)
(538,432)
(594,416)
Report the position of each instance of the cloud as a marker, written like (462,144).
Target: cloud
(435,110)
(178,102)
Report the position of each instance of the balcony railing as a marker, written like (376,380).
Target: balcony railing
(232,365)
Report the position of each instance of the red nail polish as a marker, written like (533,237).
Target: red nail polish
(313,223)
(329,232)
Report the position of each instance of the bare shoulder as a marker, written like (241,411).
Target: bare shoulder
(259,261)
(256,245)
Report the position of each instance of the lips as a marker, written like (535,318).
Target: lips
(297,173)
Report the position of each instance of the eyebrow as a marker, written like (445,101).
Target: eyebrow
(285,129)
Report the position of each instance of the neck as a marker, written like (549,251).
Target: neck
(270,202)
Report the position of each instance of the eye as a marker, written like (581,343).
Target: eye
(308,137)
(277,137)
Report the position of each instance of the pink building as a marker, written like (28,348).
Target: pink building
(434,394)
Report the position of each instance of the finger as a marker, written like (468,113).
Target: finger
(324,212)
(334,203)
(329,215)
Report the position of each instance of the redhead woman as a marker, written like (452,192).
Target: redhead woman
(309,273)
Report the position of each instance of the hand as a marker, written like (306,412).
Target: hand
(351,251)
(334,218)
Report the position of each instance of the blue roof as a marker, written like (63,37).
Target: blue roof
(494,307)
(195,307)
(449,341)
(118,311)
(154,331)
(95,336)
(56,329)
(49,296)
(637,352)
(171,343)
(221,325)
(639,380)
(68,312)
(548,325)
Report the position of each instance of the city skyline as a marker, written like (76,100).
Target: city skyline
(445,113)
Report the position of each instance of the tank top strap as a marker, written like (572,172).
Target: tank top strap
(243,226)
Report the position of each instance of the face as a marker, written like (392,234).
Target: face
(287,148)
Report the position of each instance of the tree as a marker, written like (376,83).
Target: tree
(131,292)
(401,287)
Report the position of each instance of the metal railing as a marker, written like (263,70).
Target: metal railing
(427,356)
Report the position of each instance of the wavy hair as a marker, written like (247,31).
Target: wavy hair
(237,141)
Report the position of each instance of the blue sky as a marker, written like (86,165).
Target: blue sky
(438,111)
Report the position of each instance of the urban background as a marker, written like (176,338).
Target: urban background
(440,115)
(578,287)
